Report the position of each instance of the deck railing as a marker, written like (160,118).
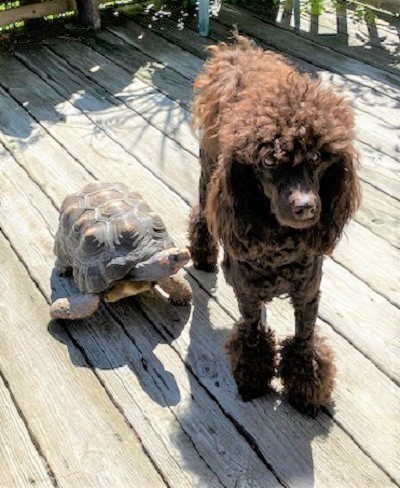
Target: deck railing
(14,12)
(87,10)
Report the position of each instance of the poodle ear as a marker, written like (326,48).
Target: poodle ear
(340,198)
(220,202)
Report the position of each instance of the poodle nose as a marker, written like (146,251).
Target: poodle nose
(303,206)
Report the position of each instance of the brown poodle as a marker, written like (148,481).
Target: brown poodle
(278,184)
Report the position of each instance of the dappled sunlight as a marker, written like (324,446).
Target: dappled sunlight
(115,105)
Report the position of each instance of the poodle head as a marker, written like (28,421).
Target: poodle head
(296,139)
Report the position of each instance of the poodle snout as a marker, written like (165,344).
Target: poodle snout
(303,205)
(299,210)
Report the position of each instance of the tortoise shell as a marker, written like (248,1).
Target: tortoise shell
(104,231)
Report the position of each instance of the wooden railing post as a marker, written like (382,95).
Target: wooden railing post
(89,13)
(204,17)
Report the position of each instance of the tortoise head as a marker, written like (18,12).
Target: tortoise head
(162,264)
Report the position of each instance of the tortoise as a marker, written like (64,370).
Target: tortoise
(116,247)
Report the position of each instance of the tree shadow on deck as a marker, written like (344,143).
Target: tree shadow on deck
(128,96)
(373,39)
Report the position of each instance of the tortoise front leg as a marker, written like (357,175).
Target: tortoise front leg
(75,307)
(178,289)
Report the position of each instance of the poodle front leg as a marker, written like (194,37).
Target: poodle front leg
(203,247)
(307,368)
(252,351)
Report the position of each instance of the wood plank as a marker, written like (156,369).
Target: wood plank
(136,34)
(80,432)
(145,68)
(357,315)
(43,109)
(377,165)
(325,450)
(380,170)
(114,84)
(141,148)
(89,13)
(356,41)
(167,116)
(36,11)
(21,463)
(150,393)
(139,143)
(387,83)
(379,266)
(380,213)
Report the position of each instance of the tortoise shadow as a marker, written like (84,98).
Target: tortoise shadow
(108,341)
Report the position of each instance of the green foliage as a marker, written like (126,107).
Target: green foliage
(318,7)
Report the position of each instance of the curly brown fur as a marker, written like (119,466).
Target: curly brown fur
(253,361)
(278,179)
(204,249)
(308,373)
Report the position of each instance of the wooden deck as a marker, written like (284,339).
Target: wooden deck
(141,395)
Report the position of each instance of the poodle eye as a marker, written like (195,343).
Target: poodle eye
(268,163)
(315,157)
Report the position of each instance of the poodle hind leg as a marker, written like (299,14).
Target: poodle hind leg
(252,350)
(203,247)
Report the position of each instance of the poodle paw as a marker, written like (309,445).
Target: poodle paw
(253,365)
(308,372)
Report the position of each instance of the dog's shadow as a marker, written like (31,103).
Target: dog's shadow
(279,435)
(127,334)
(109,340)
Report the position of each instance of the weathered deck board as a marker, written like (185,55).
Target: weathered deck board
(115,109)
(205,362)
(21,464)
(144,391)
(352,69)
(364,98)
(77,426)
(151,188)
(378,212)
(46,65)
(340,31)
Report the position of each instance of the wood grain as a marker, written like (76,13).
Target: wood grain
(21,464)
(143,390)
(84,438)
(203,352)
